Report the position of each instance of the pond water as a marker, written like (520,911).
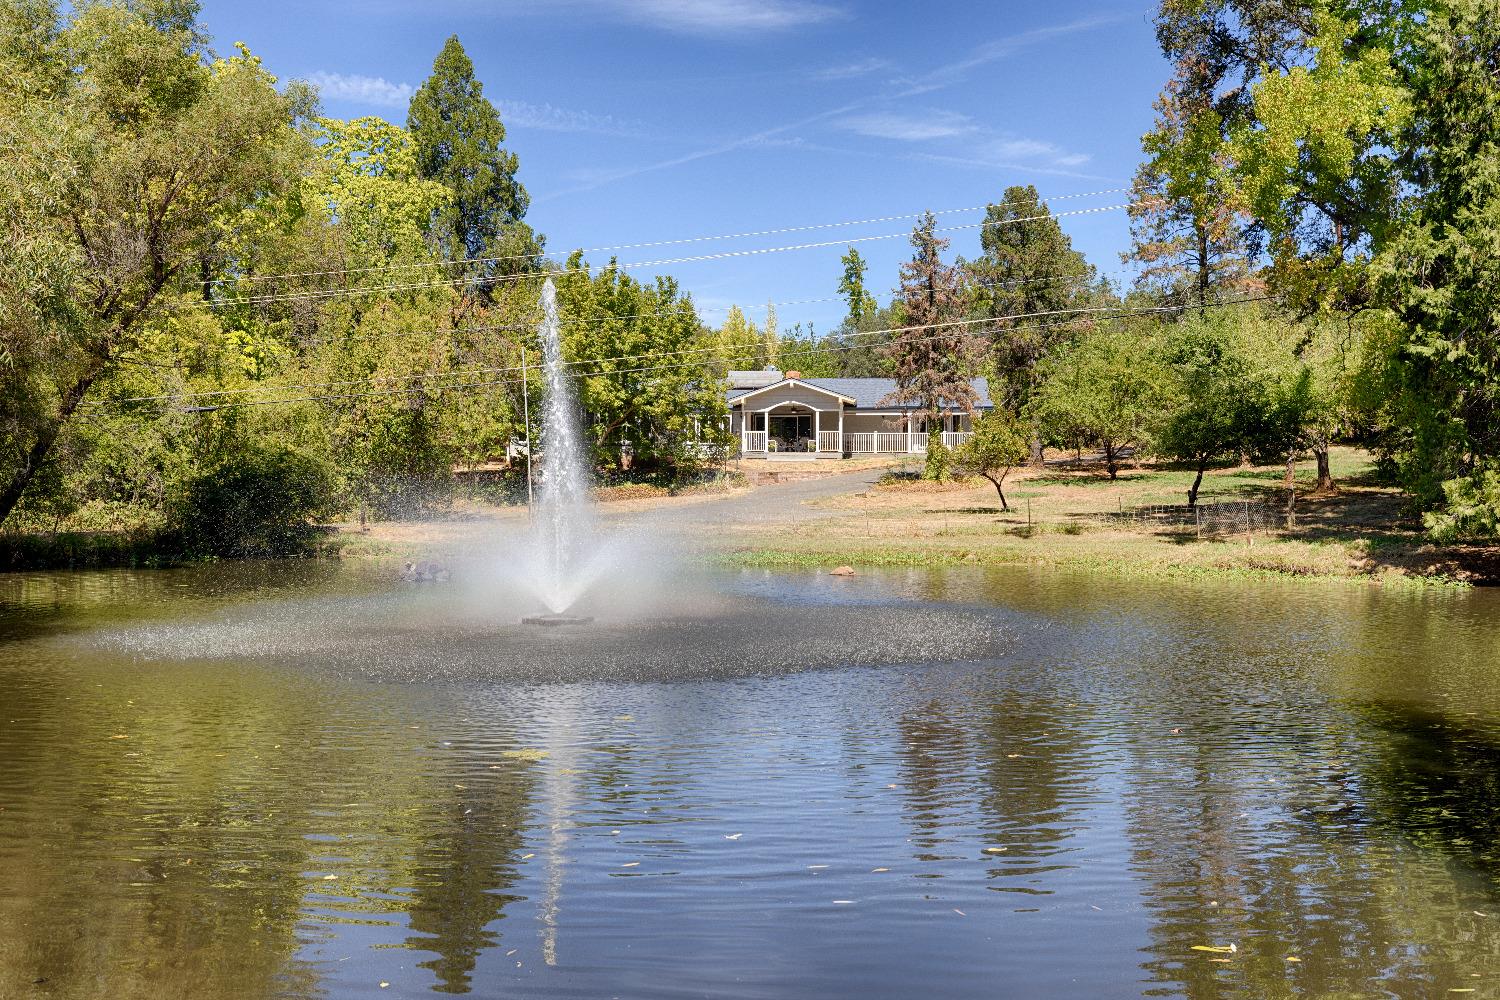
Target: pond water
(290,780)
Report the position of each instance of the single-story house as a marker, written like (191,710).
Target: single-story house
(781,414)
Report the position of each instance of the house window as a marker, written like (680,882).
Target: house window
(757,421)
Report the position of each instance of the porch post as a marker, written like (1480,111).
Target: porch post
(908,432)
(817,430)
(840,448)
(744,430)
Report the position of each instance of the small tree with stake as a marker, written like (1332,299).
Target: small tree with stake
(1000,444)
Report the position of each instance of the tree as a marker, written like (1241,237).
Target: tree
(130,152)
(1028,266)
(1219,406)
(1441,270)
(933,357)
(458,135)
(661,409)
(371,189)
(738,342)
(852,287)
(1106,391)
(1184,221)
(998,445)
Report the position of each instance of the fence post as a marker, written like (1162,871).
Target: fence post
(1198,521)
(1247,524)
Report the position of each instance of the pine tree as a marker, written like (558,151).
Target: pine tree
(457,135)
(932,360)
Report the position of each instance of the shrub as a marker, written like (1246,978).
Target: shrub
(257,502)
(1472,510)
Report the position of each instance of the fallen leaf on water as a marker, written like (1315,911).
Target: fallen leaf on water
(1093,907)
(526,856)
(1222,950)
(1293,958)
(733,836)
(630,864)
(815,867)
(1224,960)
(511,952)
(961,913)
(460,786)
(842,902)
(995,850)
(624,718)
(329,878)
(384,985)
(120,736)
(873,870)
(1012,756)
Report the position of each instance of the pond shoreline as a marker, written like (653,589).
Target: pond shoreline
(1067,516)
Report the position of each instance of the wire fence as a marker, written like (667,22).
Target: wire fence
(1206,520)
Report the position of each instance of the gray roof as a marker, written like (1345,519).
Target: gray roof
(870,393)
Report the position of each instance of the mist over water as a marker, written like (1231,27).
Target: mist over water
(568,554)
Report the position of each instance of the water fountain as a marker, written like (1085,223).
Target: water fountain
(564,537)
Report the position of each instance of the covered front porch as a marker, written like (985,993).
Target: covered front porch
(796,430)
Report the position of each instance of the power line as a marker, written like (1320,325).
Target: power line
(640,246)
(1078,314)
(1120,310)
(330,293)
(591,321)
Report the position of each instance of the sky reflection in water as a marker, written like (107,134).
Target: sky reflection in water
(956,784)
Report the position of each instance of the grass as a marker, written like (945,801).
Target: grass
(1360,534)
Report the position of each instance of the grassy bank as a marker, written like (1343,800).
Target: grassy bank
(1073,516)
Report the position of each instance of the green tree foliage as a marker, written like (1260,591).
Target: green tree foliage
(998,446)
(933,359)
(129,151)
(852,287)
(1221,406)
(1107,391)
(259,501)
(369,186)
(1441,271)
(1185,230)
(1028,267)
(647,384)
(457,135)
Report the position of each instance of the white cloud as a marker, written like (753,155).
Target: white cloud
(1012,148)
(1022,148)
(849,71)
(352,87)
(728,16)
(909,128)
(699,17)
(555,119)
(380,92)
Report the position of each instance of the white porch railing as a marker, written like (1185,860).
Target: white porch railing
(828,440)
(753,441)
(897,442)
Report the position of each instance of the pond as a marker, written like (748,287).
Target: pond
(289,780)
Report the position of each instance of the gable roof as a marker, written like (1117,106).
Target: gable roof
(867,393)
(734,395)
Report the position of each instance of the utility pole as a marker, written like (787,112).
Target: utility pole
(526,416)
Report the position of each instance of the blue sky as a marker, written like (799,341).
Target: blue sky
(645,120)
